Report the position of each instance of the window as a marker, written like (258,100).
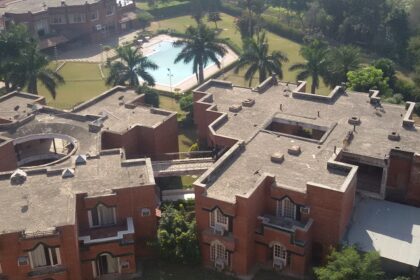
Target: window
(279,252)
(77,18)
(23,260)
(58,19)
(44,256)
(109,10)
(145,212)
(286,208)
(94,16)
(218,251)
(218,219)
(102,216)
(1,271)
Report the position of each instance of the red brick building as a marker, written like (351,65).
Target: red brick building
(74,205)
(283,191)
(56,22)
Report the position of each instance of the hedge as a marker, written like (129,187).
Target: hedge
(171,11)
(268,23)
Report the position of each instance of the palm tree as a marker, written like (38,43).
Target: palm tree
(315,55)
(34,68)
(257,58)
(200,46)
(130,66)
(341,60)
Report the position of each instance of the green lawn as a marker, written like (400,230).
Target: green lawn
(227,25)
(83,82)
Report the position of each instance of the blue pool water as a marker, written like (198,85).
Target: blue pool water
(164,55)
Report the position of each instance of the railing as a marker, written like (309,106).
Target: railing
(119,234)
(47,270)
(39,234)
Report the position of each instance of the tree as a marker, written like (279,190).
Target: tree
(13,42)
(257,59)
(214,17)
(186,103)
(200,46)
(388,69)
(341,60)
(315,54)
(144,18)
(131,65)
(151,96)
(177,236)
(368,78)
(34,68)
(348,264)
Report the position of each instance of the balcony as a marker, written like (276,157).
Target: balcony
(285,224)
(107,234)
(209,235)
(46,270)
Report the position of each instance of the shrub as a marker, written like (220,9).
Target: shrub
(171,11)
(151,96)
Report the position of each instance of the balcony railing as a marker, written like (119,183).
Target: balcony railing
(46,270)
(39,234)
(285,224)
(113,233)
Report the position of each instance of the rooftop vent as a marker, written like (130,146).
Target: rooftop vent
(67,173)
(249,102)
(235,108)
(80,159)
(277,157)
(354,121)
(121,97)
(16,108)
(394,136)
(18,177)
(294,150)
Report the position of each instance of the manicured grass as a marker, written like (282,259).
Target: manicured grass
(229,30)
(83,82)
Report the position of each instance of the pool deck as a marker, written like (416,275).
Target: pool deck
(148,48)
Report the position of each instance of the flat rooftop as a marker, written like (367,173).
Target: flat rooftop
(377,225)
(122,110)
(46,200)
(16,106)
(329,117)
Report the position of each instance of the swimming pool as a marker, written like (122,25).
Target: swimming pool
(164,54)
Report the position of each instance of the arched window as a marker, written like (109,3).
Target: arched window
(102,215)
(106,264)
(217,219)
(279,256)
(286,208)
(218,252)
(42,256)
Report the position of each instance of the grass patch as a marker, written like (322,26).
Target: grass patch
(228,27)
(83,82)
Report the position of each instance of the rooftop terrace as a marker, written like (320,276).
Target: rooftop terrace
(276,117)
(46,197)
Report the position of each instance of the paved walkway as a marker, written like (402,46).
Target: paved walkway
(95,52)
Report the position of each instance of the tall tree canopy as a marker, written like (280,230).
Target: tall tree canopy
(258,60)
(348,264)
(131,65)
(200,46)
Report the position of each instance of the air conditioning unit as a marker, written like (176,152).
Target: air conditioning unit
(278,264)
(219,230)
(219,264)
(98,27)
(305,210)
